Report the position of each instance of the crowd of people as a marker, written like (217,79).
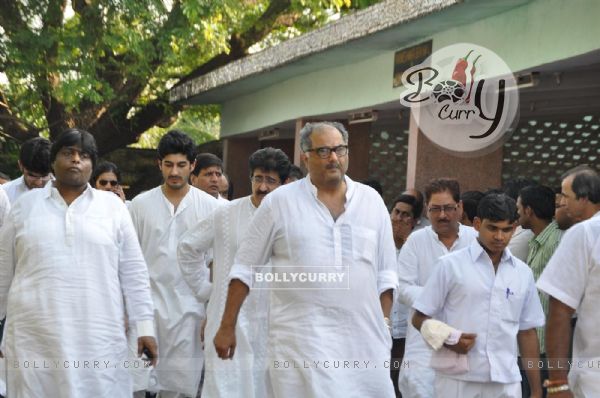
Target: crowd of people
(308,287)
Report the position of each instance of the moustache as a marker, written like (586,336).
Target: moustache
(333,166)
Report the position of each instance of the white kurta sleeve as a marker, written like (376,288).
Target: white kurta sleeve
(133,273)
(191,256)
(565,275)
(7,261)
(408,272)
(387,276)
(4,207)
(257,245)
(433,294)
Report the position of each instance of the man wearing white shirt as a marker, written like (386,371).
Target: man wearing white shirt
(69,264)
(572,280)
(245,376)
(327,338)
(487,298)
(416,263)
(161,216)
(34,163)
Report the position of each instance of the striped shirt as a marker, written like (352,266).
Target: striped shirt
(541,248)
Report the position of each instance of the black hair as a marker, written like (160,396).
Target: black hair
(35,155)
(409,200)
(513,187)
(205,160)
(295,172)
(586,184)
(270,159)
(376,185)
(442,185)
(75,137)
(105,167)
(175,142)
(470,200)
(541,199)
(497,207)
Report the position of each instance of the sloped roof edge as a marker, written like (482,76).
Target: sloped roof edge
(362,23)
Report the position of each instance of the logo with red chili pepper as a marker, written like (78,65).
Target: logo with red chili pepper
(464,98)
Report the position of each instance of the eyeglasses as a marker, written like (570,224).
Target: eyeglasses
(325,151)
(448,209)
(113,183)
(267,180)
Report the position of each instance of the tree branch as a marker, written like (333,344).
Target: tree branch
(14,126)
(239,43)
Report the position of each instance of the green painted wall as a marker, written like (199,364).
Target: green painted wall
(540,32)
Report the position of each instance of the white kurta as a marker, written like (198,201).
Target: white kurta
(14,188)
(415,264)
(4,207)
(572,276)
(177,313)
(313,331)
(64,274)
(245,376)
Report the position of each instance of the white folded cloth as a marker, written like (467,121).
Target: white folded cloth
(437,332)
(444,360)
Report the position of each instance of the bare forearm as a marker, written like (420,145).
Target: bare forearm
(418,319)
(558,339)
(235,298)
(387,299)
(528,346)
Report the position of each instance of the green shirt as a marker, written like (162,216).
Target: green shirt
(541,248)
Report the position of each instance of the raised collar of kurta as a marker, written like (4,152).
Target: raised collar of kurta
(350,187)
(476,251)
(461,233)
(52,192)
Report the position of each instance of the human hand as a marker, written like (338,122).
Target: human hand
(148,343)
(224,342)
(464,345)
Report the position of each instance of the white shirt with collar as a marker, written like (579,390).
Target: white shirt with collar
(465,292)
(572,276)
(15,188)
(293,228)
(416,262)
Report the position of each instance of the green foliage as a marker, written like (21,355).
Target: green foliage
(76,62)
(200,123)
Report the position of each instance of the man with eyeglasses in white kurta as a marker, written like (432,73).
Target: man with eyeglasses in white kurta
(331,334)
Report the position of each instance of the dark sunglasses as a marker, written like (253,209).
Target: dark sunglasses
(113,183)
